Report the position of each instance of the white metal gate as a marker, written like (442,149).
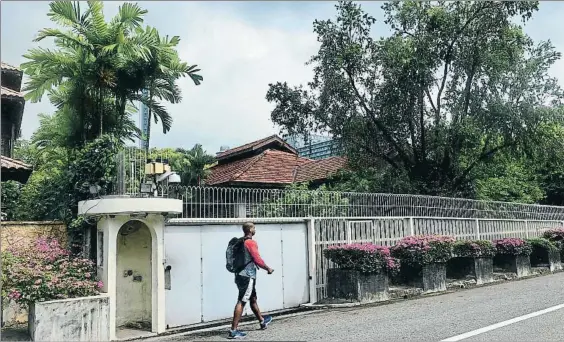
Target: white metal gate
(201,289)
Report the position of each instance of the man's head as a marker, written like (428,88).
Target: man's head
(249,229)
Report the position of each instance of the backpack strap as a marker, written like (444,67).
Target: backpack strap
(244,251)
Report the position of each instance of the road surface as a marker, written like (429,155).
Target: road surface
(527,310)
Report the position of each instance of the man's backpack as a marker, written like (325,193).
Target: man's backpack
(235,255)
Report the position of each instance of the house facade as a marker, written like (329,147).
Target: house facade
(10,129)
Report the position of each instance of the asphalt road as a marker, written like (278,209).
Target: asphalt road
(429,318)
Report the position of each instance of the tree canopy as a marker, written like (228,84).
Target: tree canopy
(453,86)
(99,70)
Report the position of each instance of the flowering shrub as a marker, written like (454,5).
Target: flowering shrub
(45,271)
(474,249)
(424,250)
(513,246)
(366,258)
(554,234)
(542,243)
(557,237)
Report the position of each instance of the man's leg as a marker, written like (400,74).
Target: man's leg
(256,310)
(245,285)
(263,320)
(237,313)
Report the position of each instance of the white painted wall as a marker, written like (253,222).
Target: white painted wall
(76,319)
(134,297)
(202,290)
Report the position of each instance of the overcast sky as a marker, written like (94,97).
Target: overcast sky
(240,47)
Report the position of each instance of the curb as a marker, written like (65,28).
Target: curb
(202,328)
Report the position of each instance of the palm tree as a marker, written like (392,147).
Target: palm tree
(195,170)
(160,73)
(100,68)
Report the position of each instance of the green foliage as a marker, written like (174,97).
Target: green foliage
(11,192)
(97,72)
(61,181)
(298,201)
(455,85)
(474,249)
(542,243)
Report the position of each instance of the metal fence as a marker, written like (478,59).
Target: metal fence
(211,202)
(387,231)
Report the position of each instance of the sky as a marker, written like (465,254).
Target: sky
(241,47)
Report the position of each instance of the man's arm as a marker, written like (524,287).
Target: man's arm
(252,247)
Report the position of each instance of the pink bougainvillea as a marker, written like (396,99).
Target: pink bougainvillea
(423,249)
(513,246)
(366,258)
(45,271)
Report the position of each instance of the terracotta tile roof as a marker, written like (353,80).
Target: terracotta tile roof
(6,66)
(14,164)
(269,167)
(7,92)
(319,169)
(274,167)
(254,146)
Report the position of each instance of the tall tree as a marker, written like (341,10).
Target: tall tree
(99,68)
(455,84)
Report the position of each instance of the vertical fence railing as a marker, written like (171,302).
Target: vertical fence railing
(387,231)
(212,202)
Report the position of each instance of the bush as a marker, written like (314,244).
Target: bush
(45,271)
(557,237)
(474,249)
(542,243)
(365,258)
(423,250)
(554,234)
(513,246)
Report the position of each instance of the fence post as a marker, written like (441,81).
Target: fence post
(411,227)
(477,229)
(526,229)
(312,260)
(349,232)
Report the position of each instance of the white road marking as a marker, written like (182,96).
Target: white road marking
(502,324)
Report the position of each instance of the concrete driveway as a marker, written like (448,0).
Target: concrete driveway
(527,310)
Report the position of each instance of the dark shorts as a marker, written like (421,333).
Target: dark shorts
(246,286)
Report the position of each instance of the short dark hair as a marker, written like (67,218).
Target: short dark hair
(247,227)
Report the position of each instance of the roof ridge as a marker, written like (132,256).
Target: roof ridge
(254,160)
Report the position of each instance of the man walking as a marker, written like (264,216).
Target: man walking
(246,282)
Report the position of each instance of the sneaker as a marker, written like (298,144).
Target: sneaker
(236,334)
(265,322)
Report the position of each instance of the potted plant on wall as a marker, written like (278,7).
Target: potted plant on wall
(545,253)
(423,260)
(361,274)
(557,237)
(474,258)
(43,275)
(512,254)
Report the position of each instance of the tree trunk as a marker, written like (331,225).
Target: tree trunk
(100,109)
(149,118)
